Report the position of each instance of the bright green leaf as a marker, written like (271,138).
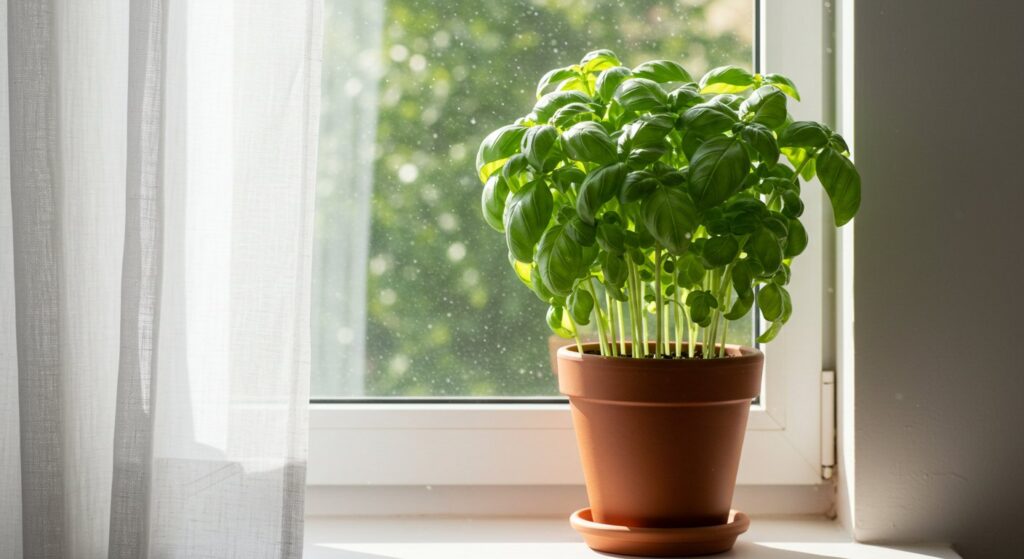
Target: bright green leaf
(766,105)
(553,77)
(662,71)
(641,95)
(496,148)
(588,141)
(492,201)
(726,79)
(609,80)
(783,83)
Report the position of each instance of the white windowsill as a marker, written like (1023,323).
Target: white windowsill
(339,537)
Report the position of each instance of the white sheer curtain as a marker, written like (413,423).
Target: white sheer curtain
(157,164)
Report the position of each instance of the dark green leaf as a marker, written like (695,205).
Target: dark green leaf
(496,148)
(690,272)
(762,142)
(598,188)
(701,303)
(513,167)
(641,95)
(527,214)
(764,246)
(767,105)
(647,130)
(492,201)
(662,71)
(683,97)
(580,231)
(638,185)
(614,268)
(804,134)
(793,206)
(560,261)
(740,307)
(717,170)
(709,119)
(720,251)
(588,141)
(671,218)
(796,242)
(611,239)
(743,279)
(842,183)
(726,79)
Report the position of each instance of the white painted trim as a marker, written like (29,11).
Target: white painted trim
(393,445)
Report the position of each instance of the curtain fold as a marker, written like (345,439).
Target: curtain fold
(156,211)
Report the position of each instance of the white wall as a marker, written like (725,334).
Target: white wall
(939,394)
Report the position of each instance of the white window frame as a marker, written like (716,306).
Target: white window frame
(523,444)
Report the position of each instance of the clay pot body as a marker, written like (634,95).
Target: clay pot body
(660,439)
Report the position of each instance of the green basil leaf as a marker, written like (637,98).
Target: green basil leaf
(842,183)
(541,290)
(647,130)
(726,79)
(671,218)
(720,251)
(767,106)
(689,271)
(560,261)
(783,83)
(581,304)
(611,239)
(497,147)
(769,334)
(709,119)
(609,80)
(662,71)
(762,142)
(641,95)
(717,170)
(568,178)
(684,97)
(740,307)
(492,202)
(512,169)
(588,141)
(637,186)
(556,320)
(764,246)
(769,301)
(701,303)
(553,77)
(613,266)
(793,206)
(581,232)
(571,114)
(537,143)
(796,242)
(804,134)
(639,157)
(743,279)
(597,60)
(599,187)
(523,270)
(551,102)
(527,214)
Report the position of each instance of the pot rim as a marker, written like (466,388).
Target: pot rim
(740,355)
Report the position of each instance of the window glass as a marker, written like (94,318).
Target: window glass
(413,294)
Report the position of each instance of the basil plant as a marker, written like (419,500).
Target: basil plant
(657,207)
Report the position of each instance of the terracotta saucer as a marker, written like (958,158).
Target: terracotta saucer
(659,542)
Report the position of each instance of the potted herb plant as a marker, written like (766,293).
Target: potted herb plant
(659,209)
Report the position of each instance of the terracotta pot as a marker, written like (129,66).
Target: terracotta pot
(660,439)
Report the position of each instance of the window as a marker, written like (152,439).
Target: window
(413,295)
